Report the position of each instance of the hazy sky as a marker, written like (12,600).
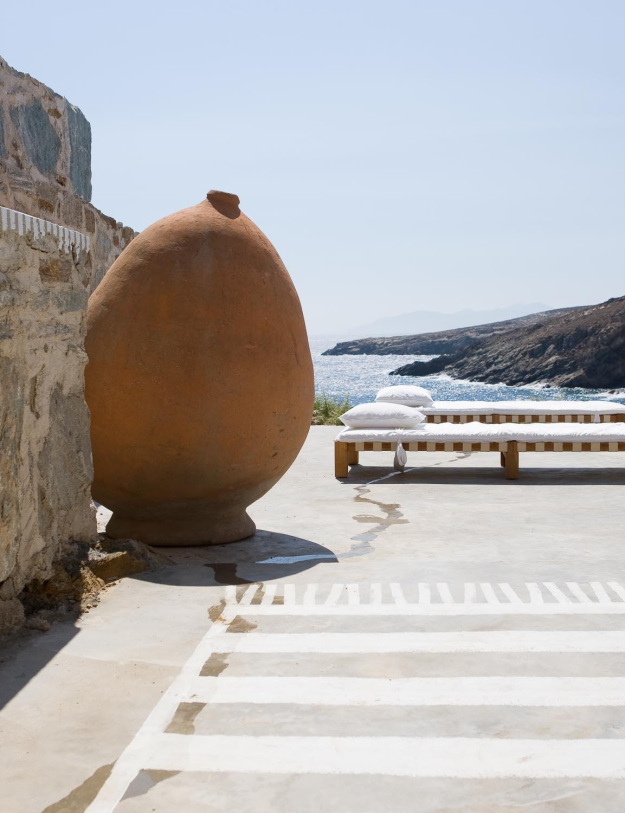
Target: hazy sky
(436,155)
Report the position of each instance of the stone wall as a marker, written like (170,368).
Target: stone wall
(45,165)
(51,258)
(45,466)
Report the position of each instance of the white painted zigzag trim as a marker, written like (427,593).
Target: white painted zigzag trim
(22,224)
(437,599)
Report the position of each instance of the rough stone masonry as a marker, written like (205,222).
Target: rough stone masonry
(49,264)
(45,166)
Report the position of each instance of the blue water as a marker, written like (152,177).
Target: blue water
(360,377)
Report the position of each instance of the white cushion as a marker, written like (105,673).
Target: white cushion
(476,432)
(382,416)
(405,394)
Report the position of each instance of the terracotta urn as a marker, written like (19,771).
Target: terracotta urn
(200,380)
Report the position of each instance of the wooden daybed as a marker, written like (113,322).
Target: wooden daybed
(506,438)
(524,412)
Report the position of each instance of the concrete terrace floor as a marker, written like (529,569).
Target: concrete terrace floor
(439,640)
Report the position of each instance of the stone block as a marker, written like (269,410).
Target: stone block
(80,152)
(40,140)
(3,149)
(11,616)
(127,235)
(55,269)
(72,212)
(112,566)
(89,220)
(72,300)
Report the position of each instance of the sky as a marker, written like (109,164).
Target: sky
(401,156)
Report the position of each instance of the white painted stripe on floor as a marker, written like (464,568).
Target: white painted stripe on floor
(398,594)
(509,593)
(353,594)
(334,595)
(535,758)
(470,592)
(592,608)
(492,641)
(249,594)
(618,589)
(577,591)
(453,757)
(310,594)
(464,691)
(133,758)
(600,591)
(536,595)
(489,593)
(557,593)
(375,594)
(445,593)
(269,593)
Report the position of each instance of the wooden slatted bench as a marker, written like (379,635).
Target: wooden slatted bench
(351,442)
(524,412)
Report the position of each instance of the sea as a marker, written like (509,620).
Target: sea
(360,377)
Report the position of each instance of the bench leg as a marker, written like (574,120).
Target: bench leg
(352,454)
(341,459)
(512,461)
(502,459)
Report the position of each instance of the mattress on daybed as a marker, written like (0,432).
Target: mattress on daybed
(524,408)
(477,432)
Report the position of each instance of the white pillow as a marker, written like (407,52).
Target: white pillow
(405,394)
(382,416)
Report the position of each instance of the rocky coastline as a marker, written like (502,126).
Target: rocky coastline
(442,342)
(578,347)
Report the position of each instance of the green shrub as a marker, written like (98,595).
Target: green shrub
(326,410)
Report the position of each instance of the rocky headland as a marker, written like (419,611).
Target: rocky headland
(574,347)
(442,342)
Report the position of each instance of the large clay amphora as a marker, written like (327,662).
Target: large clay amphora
(199,382)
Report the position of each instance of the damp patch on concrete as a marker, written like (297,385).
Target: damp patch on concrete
(145,780)
(226,573)
(216,610)
(79,799)
(357,549)
(239,624)
(184,718)
(259,595)
(392,516)
(215,665)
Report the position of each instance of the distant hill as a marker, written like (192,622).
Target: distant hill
(575,347)
(407,324)
(447,341)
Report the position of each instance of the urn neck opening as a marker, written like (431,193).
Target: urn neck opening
(218,198)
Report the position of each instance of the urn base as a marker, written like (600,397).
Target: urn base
(192,528)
